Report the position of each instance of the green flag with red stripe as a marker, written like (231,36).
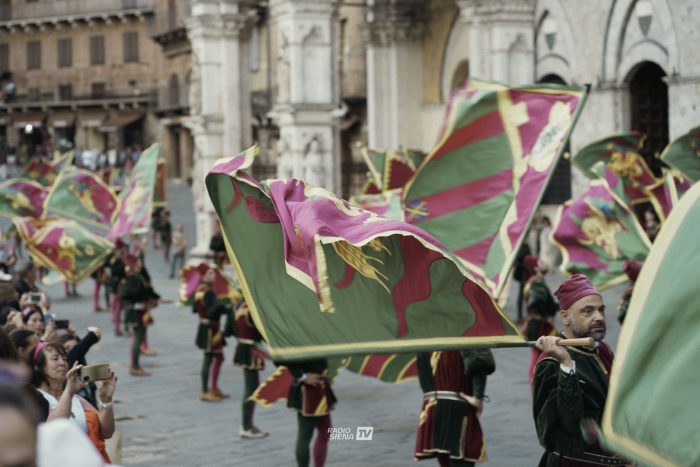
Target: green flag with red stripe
(478,190)
(683,154)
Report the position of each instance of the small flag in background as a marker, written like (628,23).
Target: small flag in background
(596,234)
(22,198)
(136,198)
(683,154)
(82,196)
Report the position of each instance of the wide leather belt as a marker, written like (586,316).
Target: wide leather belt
(594,459)
(444,395)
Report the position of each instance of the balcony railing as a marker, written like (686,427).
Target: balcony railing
(49,99)
(71,9)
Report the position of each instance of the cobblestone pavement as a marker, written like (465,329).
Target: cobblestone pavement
(163,422)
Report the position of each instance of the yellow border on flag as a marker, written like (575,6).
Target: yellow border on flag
(643,288)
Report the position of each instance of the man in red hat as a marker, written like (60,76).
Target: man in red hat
(571,383)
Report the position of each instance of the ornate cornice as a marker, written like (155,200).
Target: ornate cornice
(486,11)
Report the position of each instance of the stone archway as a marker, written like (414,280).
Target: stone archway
(637,31)
(554,42)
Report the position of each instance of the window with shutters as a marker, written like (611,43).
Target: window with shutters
(97,50)
(99,90)
(131,47)
(33,55)
(65,53)
(5,10)
(33,94)
(4,57)
(65,92)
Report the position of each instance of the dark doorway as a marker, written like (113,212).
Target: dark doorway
(559,188)
(649,110)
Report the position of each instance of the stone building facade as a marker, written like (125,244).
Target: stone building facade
(83,72)
(380,72)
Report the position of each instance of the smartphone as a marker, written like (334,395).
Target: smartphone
(61,323)
(92,373)
(34,297)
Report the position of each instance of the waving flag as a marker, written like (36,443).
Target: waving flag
(136,199)
(22,198)
(82,196)
(596,234)
(375,161)
(191,277)
(620,153)
(68,248)
(324,278)
(41,171)
(651,414)
(683,154)
(394,368)
(63,161)
(478,190)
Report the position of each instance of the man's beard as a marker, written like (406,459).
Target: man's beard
(581,332)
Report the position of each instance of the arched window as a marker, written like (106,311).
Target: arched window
(649,110)
(559,189)
(174,91)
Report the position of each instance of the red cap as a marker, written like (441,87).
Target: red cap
(203,267)
(632,269)
(130,262)
(574,289)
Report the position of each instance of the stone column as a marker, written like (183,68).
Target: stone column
(306,95)
(501,39)
(219,97)
(394,34)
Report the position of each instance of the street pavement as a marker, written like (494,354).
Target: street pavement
(163,422)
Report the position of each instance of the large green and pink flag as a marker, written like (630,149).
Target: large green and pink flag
(478,190)
(683,154)
(325,278)
(620,153)
(651,413)
(136,198)
(66,247)
(596,234)
(22,198)
(82,196)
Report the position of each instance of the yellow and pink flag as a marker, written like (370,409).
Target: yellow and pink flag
(23,198)
(82,196)
(136,198)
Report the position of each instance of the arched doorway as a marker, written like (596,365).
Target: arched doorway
(559,189)
(649,110)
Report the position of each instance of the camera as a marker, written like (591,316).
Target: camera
(35,297)
(92,373)
(61,323)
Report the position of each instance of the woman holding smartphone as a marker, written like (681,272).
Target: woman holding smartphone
(59,385)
